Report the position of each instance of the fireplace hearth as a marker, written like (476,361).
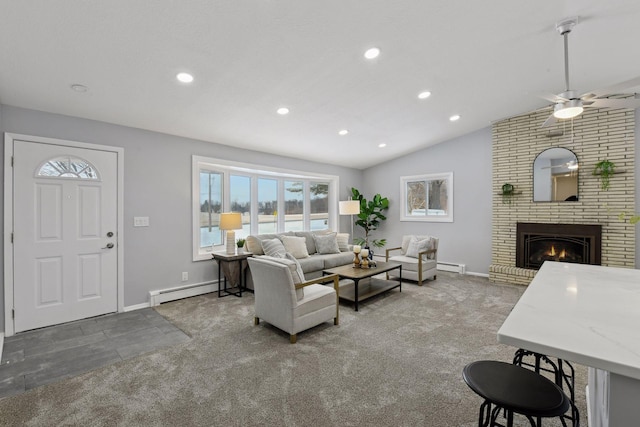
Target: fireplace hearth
(540,242)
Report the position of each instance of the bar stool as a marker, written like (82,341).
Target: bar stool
(561,370)
(514,390)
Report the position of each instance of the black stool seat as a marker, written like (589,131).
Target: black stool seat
(515,389)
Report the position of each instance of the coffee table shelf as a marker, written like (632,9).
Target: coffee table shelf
(367,289)
(364,284)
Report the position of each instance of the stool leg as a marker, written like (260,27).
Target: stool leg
(484,419)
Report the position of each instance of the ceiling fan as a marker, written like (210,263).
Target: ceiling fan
(568,104)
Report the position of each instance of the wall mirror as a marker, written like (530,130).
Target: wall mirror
(555,176)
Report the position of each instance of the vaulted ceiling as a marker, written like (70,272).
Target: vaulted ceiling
(483,61)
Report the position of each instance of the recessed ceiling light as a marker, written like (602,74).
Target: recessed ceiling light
(424,95)
(283,111)
(343,132)
(382,145)
(454,117)
(184,77)
(79,88)
(372,53)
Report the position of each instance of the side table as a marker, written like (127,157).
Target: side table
(234,269)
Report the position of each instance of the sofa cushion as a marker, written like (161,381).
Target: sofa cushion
(296,246)
(316,297)
(326,243)
(411,264)
(273,248)
(311,264)
(336,260)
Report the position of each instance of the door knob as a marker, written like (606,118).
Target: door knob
(109,246)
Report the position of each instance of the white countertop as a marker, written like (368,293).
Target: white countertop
(582,313)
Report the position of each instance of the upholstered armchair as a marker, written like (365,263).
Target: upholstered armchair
(286,301)
(418,256)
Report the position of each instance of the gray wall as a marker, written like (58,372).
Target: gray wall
(157,184)
(467,240)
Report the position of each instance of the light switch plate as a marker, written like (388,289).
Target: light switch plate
(140,221)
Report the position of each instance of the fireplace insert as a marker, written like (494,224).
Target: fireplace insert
(538,242)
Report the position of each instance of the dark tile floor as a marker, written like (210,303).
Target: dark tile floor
(42,356)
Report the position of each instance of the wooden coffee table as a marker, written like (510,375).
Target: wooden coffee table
(357,292)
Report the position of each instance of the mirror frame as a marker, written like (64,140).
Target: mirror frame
(534,176)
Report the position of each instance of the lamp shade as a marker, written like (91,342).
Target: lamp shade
(230,221)
(349,207)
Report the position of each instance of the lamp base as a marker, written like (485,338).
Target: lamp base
(231,242)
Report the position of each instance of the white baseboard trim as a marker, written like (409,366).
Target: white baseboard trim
(1,343)
(179,292)
(137,307)
(473,273)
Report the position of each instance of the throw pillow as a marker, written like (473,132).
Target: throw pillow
(416,246)
(254,245)
(296,246)
(274,248)
(343,242)
(326,243)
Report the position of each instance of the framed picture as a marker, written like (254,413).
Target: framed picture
(427,197)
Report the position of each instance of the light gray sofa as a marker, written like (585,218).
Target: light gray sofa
(312,265)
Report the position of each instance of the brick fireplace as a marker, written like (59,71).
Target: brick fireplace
(593,136)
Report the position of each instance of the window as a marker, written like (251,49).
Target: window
(267,205)
(270,201)
(427,198)
(67,167)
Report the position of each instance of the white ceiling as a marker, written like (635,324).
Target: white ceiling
(482,60)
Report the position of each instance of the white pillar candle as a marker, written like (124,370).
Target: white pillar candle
(364,253)
(357,249)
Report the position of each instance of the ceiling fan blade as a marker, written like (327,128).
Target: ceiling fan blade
(550,121)
(612,90)
(551,97)
(614,103)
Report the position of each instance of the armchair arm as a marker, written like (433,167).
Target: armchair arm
(389,250)
(336,285)
(428,252)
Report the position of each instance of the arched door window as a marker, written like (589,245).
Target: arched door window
(68,167)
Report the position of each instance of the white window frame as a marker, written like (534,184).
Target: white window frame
(227,167)
(405,180)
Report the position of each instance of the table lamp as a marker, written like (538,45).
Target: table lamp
(231,221)
(350,207)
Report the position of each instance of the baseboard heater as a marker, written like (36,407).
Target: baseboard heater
(179,292)
(453,267)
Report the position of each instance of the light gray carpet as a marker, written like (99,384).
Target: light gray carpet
(396,362)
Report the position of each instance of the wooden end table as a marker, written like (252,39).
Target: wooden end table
(374,287)
(234,267)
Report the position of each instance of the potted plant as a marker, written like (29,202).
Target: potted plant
(507,193)
(240,244)
(605,169)
(370,216)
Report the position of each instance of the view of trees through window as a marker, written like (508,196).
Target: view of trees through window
(427,197)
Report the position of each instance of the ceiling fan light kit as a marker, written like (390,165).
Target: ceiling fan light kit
(568,109)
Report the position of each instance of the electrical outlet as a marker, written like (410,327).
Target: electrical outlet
(185,276)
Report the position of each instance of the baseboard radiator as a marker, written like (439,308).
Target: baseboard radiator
(179,292)
(453,267)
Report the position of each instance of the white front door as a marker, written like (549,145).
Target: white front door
(65,251)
